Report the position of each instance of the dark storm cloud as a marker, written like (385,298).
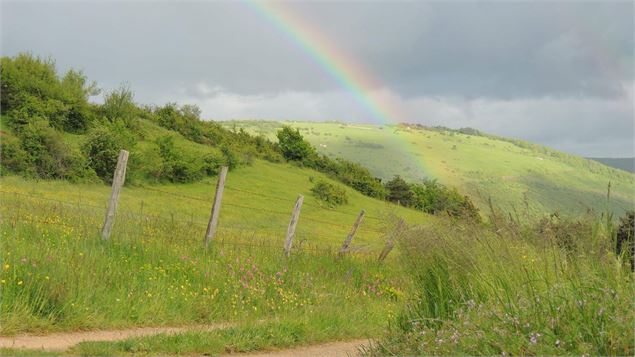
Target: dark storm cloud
(533,57)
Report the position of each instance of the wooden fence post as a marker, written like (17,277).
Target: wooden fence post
(350,236)
(294,221)
(390,243)
(213,220)
(117,181)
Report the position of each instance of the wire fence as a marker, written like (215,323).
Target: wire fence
(301,243)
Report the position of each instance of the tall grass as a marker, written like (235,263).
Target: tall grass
(58,275)
(551,289)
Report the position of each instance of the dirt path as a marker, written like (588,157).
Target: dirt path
(331,349)
(62,341)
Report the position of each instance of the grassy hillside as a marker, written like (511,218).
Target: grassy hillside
(514,174)
(257,202)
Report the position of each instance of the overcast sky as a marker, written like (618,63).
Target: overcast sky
(556,73)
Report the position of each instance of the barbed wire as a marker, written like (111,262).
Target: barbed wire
(257,194)
(223,242)
(171,218)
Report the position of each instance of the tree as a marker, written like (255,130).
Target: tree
(293,145)
(399,191)
(119,105)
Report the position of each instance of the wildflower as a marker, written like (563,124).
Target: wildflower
(558,343)
(20,282)
(533,339)
(3,281)
(46,277)
(7,266)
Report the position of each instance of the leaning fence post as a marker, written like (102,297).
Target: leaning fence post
(294,221)
(117,181)
(349,237)
(213,220)
(390,243)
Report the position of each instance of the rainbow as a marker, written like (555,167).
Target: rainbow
(348,73)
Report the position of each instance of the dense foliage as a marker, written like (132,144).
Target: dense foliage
(330,194)
(431,197)
(42,113)
(399,191)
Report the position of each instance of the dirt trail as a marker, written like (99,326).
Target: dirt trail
(330,349)
(62,341)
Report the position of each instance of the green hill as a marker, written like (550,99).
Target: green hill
(514,173)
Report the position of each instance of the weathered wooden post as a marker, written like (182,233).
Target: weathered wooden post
(117,182)
(349,238)
(390,243)
(294,221)
(213,220)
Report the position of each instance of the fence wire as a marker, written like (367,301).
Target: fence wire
(127,214)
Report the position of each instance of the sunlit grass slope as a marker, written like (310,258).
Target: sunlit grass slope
(257,201)
(532,178)
(57,274)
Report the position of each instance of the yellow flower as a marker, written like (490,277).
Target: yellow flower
(7,266)
(3,281)
(20,282)
(46,277)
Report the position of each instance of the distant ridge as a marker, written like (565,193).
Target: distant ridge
(622,163)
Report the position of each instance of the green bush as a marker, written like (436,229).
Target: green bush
(293,145)
(432,197)
(45,150)
(12,157)
(399,191)
(176,167)
(102,149)
(331,194)
(32,89)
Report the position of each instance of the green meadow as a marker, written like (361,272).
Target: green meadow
(516,175)
(516,278)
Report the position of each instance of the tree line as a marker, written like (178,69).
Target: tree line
(42,112)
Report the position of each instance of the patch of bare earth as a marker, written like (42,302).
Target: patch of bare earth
(331,349)
(63,341)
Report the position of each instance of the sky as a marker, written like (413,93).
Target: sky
(555,73)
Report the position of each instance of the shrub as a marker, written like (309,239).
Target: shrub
(293,145)
(102,149)
(176,167)
(432,197)
(331,194)
(45,149)
(119,104)
(399,191)
(32,89)
(12,157)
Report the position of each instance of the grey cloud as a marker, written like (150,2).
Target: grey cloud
(550,72)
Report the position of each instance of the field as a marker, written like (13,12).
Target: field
(451,287)
(155,271)
(515,175)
